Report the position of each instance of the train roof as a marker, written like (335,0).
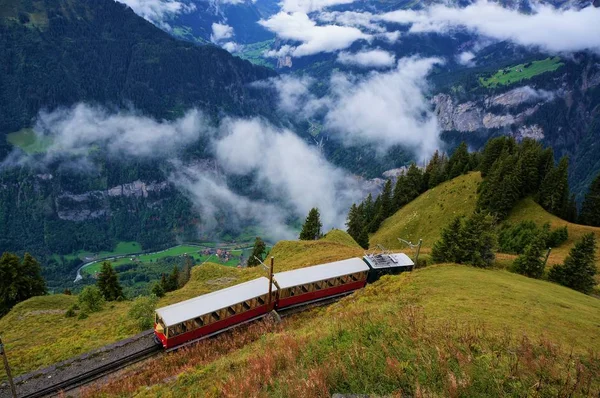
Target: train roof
(391,260)
(319,272)
(210,302)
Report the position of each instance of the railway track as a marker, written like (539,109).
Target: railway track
(96,373)
(88,377)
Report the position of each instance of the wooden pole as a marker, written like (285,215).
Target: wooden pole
(271,279)
(418,251)
(7,367)
(547,256)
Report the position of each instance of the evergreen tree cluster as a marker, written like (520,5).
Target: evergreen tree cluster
(367,216)
(19,280)
(467,241)
(579,269)
(175,280)
(513,171)
(515,238)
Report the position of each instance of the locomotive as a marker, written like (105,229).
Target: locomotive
(207,315)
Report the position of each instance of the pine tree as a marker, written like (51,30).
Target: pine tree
(492,151)
(531,262)
(368,209)
(259,250)
(158,290)
(500,191)
(186,272)
(554,190)
(590,209)
(108,283)
(459,163)
(479,240)
(579,269)
(173,280)
(449,247)
(434,172)
(470,241)
(399,196)
(356,226)
(386,200)
(528,165)
(311,229)
(164,283)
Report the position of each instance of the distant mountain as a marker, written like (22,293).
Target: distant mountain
(242,16)
(59,52)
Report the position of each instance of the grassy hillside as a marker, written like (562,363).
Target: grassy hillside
(527,209)
(37,333)
(425,216)
(440,331)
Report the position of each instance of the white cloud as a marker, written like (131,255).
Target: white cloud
(295,97)
(232,47)
(382,108)
(386,108)
(307,6)
(549,28)
(156,11)
(76,130)
(299,27)
(290,170)
(219,206)
(351,18)
(368,59)
(221,32)
(466,58)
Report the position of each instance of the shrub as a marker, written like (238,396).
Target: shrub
(91,299)
(70,312)
(557,237)
(142,311)
(82,315)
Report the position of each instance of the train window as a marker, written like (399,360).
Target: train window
(230,311)
(304,288)
(261,300)
(215,316)
(245,305)
(199,322)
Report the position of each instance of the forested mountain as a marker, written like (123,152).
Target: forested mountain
(57,53)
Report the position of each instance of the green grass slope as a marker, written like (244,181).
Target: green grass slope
(37,334)
(424,217)
(440,331)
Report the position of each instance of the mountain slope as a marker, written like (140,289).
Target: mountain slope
(440,331)
(424,217)
(56,338)
(56,53)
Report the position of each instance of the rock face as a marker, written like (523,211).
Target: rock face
(473,116)
(95,204)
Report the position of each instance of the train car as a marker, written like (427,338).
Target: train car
(387,264)
(214,312)
(320,281)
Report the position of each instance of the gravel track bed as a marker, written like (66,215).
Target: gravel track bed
(53,375)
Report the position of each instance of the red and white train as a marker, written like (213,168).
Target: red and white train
(215,312)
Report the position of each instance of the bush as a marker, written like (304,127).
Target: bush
(557,237)
(515,238)
(82,315)
(142,311)
(91,299)
(70,312)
